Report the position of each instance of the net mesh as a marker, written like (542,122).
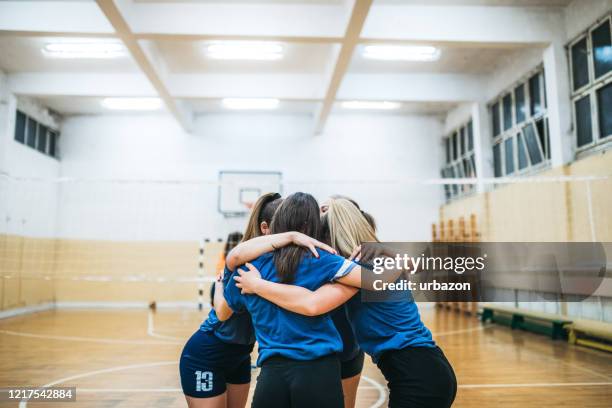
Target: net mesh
(142,241)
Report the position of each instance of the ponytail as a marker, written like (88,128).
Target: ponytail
(262,211)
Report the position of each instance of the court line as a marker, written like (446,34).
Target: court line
(568,364)
(151,330)
(581,368)
(161,390)
(382,392)
(24,403)
(536,385)
(86,339)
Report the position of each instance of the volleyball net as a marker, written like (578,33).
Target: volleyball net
(80,242)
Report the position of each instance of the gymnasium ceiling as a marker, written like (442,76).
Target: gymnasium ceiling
(323,43)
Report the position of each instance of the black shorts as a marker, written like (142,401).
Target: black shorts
(207,364)
(352,367)
(287,383)
(418,377)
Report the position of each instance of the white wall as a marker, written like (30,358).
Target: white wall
(581,14)
(26,207)
(354,147)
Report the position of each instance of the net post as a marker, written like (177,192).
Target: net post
(201,275)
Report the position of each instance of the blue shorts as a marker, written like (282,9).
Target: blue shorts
(207,364)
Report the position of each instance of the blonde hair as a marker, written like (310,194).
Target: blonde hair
(262,210)
(348,227)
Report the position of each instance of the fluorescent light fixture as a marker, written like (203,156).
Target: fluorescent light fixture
(137,104)
(401,52)
(245,50)
(84,49)
(370,105)
(250,103)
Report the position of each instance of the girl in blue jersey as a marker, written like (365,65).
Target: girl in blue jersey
(298,354)
(391,332)
(215,364)
(352,356)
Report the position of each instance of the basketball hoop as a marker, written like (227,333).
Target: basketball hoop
(249,205)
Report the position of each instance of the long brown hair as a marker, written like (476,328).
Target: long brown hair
(298,212)
(262,211)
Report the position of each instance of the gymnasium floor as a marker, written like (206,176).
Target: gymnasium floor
(129,359)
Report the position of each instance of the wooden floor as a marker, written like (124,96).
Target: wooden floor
(129,359)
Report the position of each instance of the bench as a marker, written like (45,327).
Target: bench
(544,323)
(591,333)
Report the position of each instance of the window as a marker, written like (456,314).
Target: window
(583,121)
(35,135)
(41,144)
(522,156)
(535,93)
(509,159)
(20,127)
(580,72)
(52,141)
(533,148)
(604,103)
(495,116)
(602,49)
(507,111)
(519,103)
(470,132)
(590,57)
(31,133)
(460,161)
(497,160)
(524,143)
(447,149)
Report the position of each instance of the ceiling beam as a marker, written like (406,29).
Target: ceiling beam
(235,37)
(413,87)
(80,84)
(148,62)
(359,14)
(409,87)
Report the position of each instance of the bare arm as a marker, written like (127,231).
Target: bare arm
(295,298)
(354,277)
(222,309)
(253,248)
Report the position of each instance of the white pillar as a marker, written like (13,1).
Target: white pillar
(483,150)
(559,108)
(6,129)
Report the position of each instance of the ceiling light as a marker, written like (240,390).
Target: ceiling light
(371,105)
(245,50)
(139,104)
(84,49)
(250,103)
(401,52)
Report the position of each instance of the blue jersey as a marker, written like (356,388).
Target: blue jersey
(238,329)
(280,332)
(387,325)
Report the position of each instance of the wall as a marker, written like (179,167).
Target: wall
(152,148)
(580,14)
(28,211)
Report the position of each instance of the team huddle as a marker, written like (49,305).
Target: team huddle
(292,284)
